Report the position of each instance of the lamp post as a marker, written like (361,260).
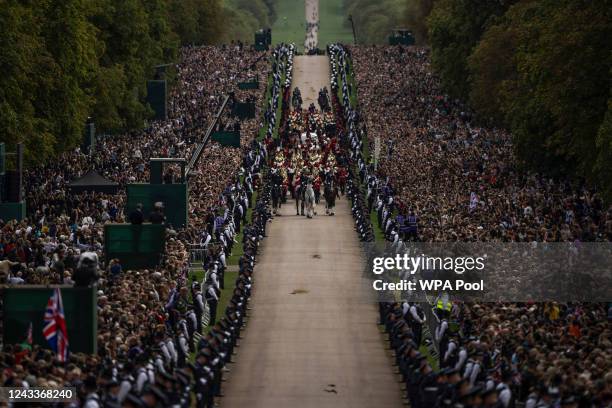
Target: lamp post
(350,18)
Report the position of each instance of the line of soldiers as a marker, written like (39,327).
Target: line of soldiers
(462,380)
(215,349)
(349,142)
(162,374)
(473,371)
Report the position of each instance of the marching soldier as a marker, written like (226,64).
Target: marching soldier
(203,378)
(416,318)
(184,380)
(182,342)
(455,355)
(198,305)
(212,299)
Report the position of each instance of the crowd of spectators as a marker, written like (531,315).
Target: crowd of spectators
(151,321)
(460,178)
(458,181)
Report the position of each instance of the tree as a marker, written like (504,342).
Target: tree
(63,61)
(71,41)
(603,166)
(544,71)
(184,21)
(374,21)
(21,50)
(48,59)
(563,64)
(491,65)
(455,27)
(417,12)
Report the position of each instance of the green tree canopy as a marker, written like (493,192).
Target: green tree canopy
(65,61)
(544,71)
(455,27)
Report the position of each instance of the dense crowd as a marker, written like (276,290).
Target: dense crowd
(442,177)
(461,179)
(151,321)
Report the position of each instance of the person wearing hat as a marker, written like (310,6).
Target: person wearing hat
(182,342)
(142,375)
(472,398)
(217,354)
(90,388)
(414,379)
(450,389)
(183,379)
(132,401)
(203,379)
(427,385)
(406,359)
(416,319)
(473,369)
(503,388)
(137,217)
(489,398)
(441,383)
(198,304)
(456,355)
(126,382)
(168,384)
(153,397)
(211,294)
(165,346)
(112,392)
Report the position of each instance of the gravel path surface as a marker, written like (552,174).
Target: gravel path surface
(312,340)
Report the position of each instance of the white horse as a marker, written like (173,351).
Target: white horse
(309,201)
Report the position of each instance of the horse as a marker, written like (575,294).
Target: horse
(276,197)
(330,191)
(299,198)
(309,201)
(277,191)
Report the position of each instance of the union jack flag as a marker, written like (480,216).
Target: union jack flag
(55,326)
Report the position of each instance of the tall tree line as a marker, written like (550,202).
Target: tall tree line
(374,20)
(64,61)
(540,68)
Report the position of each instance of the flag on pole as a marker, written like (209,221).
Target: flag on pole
(55,326)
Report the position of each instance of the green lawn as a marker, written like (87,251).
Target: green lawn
(290,23)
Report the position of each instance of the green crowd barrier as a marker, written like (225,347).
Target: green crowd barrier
(157,91)
(252,84)
(227,138)
(13,211)
(244,110)
(136,246)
